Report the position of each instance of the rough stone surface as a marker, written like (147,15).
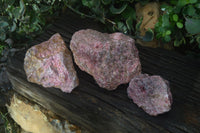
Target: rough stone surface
(151,93)
(34,119)
(50,65)
(112,59)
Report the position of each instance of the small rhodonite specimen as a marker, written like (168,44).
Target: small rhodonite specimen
(50,65)
(112,59)
(151,93)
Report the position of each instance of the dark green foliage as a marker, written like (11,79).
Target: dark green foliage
(118,15)
(182,19)
(179,21)
(21,20)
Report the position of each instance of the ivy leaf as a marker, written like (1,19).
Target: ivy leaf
(4,18)
(179,25)
(177,43)
(129,12)
(3,24)
(191,10)
(165,20)
(197,5)
(114,10)
(182,3)
(2,35)
(36,8)
(166,8)
(192,25)
(22,7)
(13,27)
(122,27)
(168,32)
(175,17)
(149,35)
(16,12)
(137,27)
(129,23)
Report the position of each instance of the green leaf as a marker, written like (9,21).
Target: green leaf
(166,8)
(165,20)
(129,12)
(137,27)
(158,35)
(16,12)
(191,10)
(168,32)
(167,38)
(197,5)
(182,3)
(177,43)
(13,27)
(106,2)
(179,25)
(192,25)
(149,35)
(129,23)
(2,35)
(175,17)
(35,8)
(122,27)
(4,18)
(3,24)
(114,10)
(22,7)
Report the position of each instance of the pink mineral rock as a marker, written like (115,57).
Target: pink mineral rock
(50,65)
(112,59)
(151,93)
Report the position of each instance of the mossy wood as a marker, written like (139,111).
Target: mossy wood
(97,110)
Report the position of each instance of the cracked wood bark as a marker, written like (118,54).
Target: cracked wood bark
(97,110)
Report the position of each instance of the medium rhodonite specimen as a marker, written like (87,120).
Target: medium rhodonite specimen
(50,65)
(151,93)
(112,59)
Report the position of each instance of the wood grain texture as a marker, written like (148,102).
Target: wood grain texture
(97,110)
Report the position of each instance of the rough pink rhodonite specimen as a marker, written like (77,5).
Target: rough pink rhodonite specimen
(112,59)
(50,65)
(151,93)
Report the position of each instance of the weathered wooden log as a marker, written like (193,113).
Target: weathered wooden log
(97,110)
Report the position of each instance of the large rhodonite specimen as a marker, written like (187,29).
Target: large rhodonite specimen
(151,93)
(50,65)
(112,59)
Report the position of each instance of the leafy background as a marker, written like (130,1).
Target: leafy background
(22,20)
